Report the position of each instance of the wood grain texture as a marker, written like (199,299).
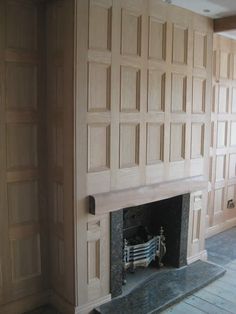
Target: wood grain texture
(222,151)
(224,24)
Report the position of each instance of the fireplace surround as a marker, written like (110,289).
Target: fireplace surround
(172,214)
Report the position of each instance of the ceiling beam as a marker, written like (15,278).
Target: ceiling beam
(225,24)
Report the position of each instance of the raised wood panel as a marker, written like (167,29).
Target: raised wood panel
(234,66)
(100,20)
(197,140)
(231,192)
(99,87)
(233,134)
(21,86)
(179,44)
(93,261)
(224,64)
(233,108)
(177,142)
(131,33)
(199,95)
(129,145)
(220,168)
(223,99)
(157,39)
(156,90)
(58,203)
(21,145)
(218,200)
(23,202)
(130,89)
(200,50)
(22,25)
(98,147)
(221,134)
(155,143)
(196,225)
(178,92)
(232,166)
(58,144)
(26,257)
(59,100)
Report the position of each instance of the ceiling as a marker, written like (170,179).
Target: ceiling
(210,8)
(217,8)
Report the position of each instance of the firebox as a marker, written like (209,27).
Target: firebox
(148,236)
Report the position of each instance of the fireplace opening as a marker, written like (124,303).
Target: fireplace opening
(145,237)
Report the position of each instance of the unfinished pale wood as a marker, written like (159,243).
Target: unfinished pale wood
(222,179)
(112,201)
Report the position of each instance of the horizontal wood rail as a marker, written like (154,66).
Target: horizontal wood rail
(225,24)
(112,201)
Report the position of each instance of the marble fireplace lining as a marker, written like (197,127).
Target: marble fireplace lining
(164,289)
(172,214)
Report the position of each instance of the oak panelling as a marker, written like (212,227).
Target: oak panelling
(26,258)
(100,25)
(199,95)
(223,99)
(220,168)
(155,143)
(23,153)
(130,89)
(60,134)
(98,147)
(200,50)
(157,39)
(218,200)
(232,166)
(22,25)
(223,147)
(197,140)
(142,92)
(131,33)
(156,90)
(21,86)
(224,64)
(178,92)
(99,87)
(179,44)
(177,142)
(233,104)
(129,145)
(23,202)
(233,133)
(21,146)
(221,134)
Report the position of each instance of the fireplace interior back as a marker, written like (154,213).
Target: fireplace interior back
(140,224)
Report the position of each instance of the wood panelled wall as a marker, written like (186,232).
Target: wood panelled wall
(23,233)
(143,85)
(60,102)
(222,185)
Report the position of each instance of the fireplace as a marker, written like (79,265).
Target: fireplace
(143,224)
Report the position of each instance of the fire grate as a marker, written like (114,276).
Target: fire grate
(141,255)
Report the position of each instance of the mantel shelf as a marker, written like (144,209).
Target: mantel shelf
(111,201)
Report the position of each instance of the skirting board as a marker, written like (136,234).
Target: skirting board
(201,255)
(26,304)
(66,308)
(87,308)
(211,231)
